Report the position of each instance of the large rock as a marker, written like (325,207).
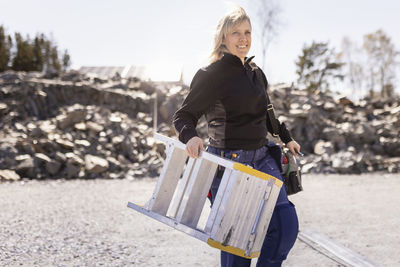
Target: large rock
(322,147)
(72,170)
(9,175)
(42,157)
(27,167)
(53,167)
(3,109)
(334,135)
(65,143)
(343,162)
(94,164)
(66,120)
(94,127)
(72,158)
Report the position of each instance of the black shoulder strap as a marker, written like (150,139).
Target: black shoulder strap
(270,107)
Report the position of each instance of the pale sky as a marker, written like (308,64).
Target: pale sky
(171,35)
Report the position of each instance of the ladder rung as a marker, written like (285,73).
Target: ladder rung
(218,199)
(168,180)
(181,188)
(196,192)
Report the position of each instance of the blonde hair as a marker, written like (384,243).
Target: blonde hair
(225,25)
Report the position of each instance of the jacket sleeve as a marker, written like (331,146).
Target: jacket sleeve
(202,95)
(284,133)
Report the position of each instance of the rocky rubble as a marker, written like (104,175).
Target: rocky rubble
(80,126)
(339,135)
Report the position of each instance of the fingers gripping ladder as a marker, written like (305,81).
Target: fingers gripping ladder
(243,206)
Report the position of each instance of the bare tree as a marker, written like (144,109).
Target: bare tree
(268,19)
(352,56)
(5,46)
(382,62)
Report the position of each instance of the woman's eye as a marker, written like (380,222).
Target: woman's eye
(248,33)
(235,33)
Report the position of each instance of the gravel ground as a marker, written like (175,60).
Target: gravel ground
(87,223)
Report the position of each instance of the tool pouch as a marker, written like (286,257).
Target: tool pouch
(291,174)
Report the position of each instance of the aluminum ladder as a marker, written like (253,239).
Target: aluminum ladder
(239,218)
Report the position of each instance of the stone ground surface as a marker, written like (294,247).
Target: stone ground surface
(87,223)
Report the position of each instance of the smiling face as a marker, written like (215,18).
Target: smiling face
(238,40)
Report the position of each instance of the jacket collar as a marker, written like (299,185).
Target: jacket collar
(232,59)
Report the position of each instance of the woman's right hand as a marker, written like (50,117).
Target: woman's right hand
(194,146)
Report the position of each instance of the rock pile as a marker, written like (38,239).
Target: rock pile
(80,126)
(339,135)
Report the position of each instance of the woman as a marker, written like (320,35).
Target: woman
(233,99)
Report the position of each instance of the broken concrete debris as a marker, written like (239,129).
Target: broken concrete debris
(76,126)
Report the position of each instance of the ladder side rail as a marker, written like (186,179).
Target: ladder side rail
(171,222)
(205,155)
(169,140)
(227,163)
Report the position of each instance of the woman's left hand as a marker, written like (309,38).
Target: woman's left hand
(294,147)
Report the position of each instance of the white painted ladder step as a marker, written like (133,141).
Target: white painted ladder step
(243,206)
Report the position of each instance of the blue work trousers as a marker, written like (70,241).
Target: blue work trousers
(283,228)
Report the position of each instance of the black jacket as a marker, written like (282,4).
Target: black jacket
(234,103)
